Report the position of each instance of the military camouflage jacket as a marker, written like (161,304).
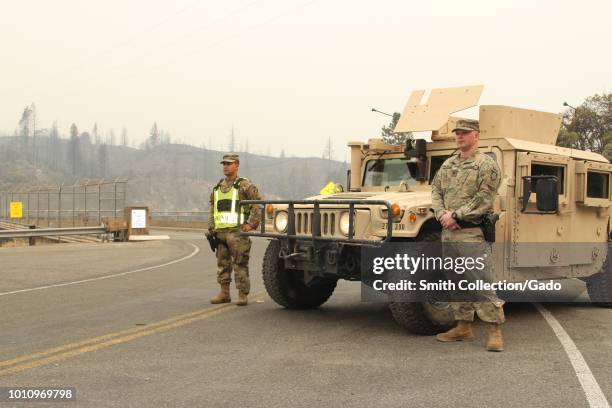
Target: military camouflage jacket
(246,191)
(466,186)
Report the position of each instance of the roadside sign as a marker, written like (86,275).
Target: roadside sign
(16,209)
(139,218)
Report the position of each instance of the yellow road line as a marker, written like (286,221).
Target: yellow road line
(106,336)
(74,349)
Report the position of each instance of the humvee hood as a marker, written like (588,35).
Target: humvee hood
(402,198)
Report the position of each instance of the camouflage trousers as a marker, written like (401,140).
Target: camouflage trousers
(233,253)
(469,242)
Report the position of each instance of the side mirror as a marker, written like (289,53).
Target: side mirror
(348,180)
(418,149)
(547,193)
(408,149)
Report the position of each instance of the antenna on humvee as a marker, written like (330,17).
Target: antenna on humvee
(569,106)
(377,111)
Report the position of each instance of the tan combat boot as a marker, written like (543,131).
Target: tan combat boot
(242,298)
(223,296)
(495,341)
(461,332)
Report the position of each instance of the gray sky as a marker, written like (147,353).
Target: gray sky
(288,74)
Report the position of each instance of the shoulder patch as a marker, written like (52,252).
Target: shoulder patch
(485,158)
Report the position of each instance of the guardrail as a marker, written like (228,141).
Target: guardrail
(51,232)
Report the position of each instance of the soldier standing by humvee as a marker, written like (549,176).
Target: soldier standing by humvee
(463,191)
(225,222)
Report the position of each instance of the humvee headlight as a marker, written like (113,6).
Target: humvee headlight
(412,217)
(281,220)
(344,223)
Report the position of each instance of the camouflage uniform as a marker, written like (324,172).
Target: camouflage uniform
(468,187)
(234,249)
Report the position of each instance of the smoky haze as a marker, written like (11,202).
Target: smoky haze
(288,75)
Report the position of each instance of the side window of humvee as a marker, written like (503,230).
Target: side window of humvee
(436,163)
(598,185)
(549,170)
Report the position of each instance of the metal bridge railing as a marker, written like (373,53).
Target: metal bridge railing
(82,203)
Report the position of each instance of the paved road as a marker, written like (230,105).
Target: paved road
(131,334)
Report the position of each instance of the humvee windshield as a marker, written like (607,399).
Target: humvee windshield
(389,172)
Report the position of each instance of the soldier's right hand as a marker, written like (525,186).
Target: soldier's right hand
(448,222)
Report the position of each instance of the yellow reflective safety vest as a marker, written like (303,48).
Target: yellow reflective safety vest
(330,188)
(226,207)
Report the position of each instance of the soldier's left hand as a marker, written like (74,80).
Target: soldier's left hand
(246,227)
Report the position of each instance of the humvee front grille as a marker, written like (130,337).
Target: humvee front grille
(304,220)
(300,225)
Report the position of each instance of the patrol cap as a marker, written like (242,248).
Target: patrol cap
(230,158)
(467,125)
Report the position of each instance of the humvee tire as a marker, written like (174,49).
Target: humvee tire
(599,286)
(424,318)
(287,288)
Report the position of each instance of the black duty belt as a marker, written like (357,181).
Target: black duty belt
(465,224)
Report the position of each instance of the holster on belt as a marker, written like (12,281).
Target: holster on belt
(488,226)
(213,241)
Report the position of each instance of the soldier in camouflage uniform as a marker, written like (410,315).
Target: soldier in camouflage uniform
(225,222)
(463,191)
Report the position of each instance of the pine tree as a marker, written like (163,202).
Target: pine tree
(74,151)
(34,136)
(394,138)
(124,137)
(328,152)
(24,131)
(53,153)
(96,135)
(231,146)
(87,162)
(153,139)
(112,140)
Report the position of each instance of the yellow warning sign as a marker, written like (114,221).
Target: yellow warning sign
(16,209)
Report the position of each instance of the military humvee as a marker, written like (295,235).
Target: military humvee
(548,195)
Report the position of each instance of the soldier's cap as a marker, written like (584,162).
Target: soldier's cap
(230,158)
(467,125)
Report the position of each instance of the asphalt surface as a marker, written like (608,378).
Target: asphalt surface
(131,334)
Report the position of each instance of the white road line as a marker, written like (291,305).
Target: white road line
(594,395)
(116,275)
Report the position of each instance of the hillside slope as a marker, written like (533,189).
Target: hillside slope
(166,177)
